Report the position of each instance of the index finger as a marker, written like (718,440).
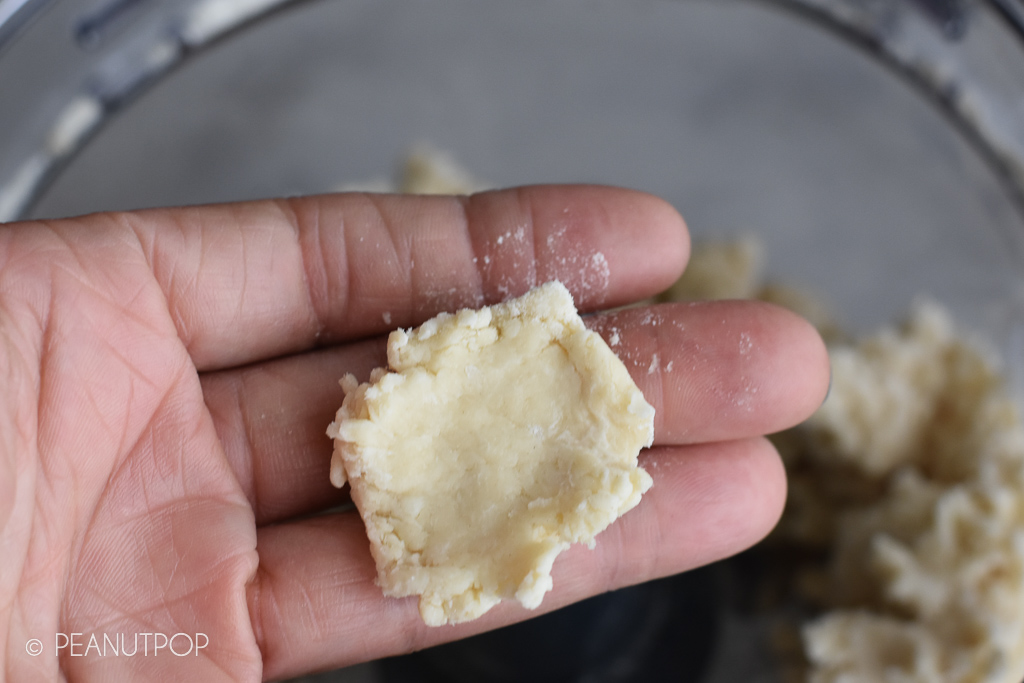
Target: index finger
(251,281)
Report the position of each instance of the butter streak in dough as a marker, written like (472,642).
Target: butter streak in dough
(498,437)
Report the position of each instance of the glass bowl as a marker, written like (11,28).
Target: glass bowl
(875,147)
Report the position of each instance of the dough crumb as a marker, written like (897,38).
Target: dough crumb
(926,578)
(902,544)
(495,439)
(721,270)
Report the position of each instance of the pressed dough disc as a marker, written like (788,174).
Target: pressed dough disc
(495,439)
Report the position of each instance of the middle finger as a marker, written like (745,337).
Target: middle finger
(713,371)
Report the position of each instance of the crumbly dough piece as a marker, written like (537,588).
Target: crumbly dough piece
(901,396)
(735,269)
(497,438)
(728,269)
(927,578)
(429,170)
(911,479)
(424,170)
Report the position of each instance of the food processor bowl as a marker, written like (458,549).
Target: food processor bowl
(875,147)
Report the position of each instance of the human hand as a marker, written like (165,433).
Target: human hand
(169,375)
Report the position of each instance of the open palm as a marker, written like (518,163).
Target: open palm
(169,376)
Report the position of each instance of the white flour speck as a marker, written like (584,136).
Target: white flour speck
(746,344)
(600,266)
(654,366)
(556,237)
(744,399)
(651,319)
(387,317)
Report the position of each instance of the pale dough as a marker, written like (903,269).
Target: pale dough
(497,438)
(910,478)
(721,270)
(928,578)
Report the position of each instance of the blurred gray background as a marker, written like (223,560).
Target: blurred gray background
(746,118)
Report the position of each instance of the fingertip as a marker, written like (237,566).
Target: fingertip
(610,246)
(727,497)
(807,364)
(720,370)
(649,220)
(646,243)
(779,372)
(770,487)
